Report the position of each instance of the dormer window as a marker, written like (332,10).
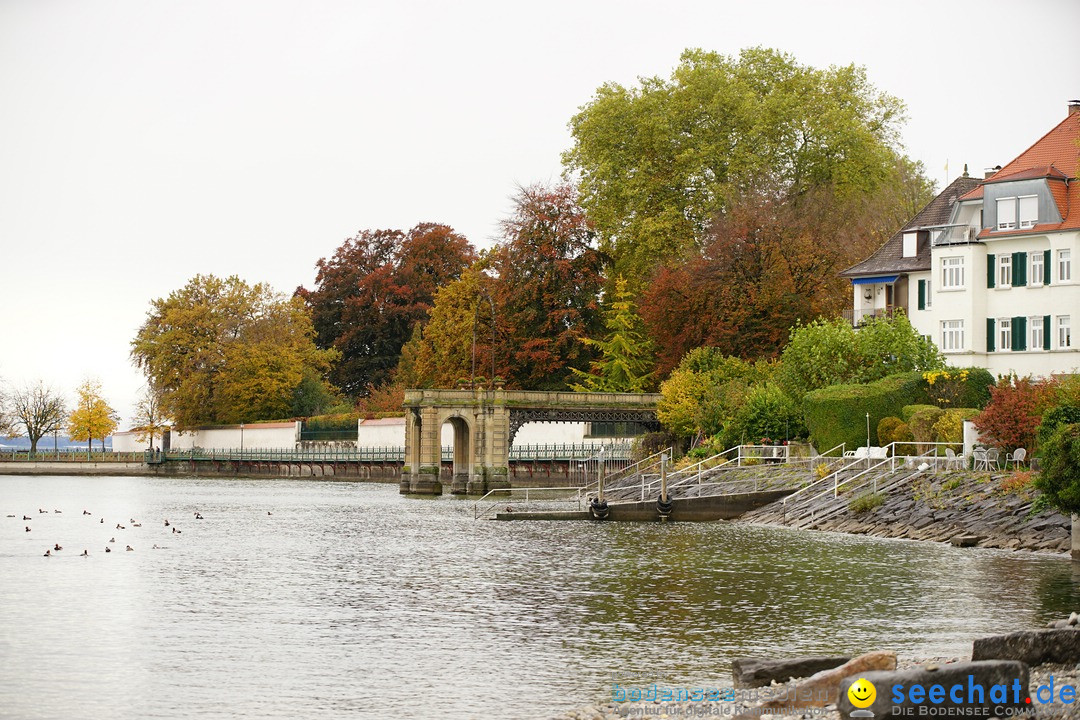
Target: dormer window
(1006,213)
(911,244)
(1029,211)
(1008,210)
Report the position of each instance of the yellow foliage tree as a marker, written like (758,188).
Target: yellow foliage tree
(440,352)
(224,352)
(92,416)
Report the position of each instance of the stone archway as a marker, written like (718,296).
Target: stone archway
(464,454)
(485,421)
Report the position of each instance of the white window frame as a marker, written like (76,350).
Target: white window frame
(1010,204)
(1036,268)
(929,292)
(1005,273)
(1004,334)
(910,244)
(952,268)
(1064,265)
(1031,221)
(1064,332)
(952,335)
(1035,332)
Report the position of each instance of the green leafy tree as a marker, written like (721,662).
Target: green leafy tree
(627,355)
(658,162)
(223,352)
(886,346)
(1059,480)
(831,352)
(768,413)
(705,391)
(91,417)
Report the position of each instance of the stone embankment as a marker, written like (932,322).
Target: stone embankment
(992,510)
(1042,664)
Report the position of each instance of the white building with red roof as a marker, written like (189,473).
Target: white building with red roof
(1001,289)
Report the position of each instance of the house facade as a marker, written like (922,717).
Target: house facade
(989,268)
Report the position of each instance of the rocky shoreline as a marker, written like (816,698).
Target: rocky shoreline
(990,510)
(1062,674)
(1048,658)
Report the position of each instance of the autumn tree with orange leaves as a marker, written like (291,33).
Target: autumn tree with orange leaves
(371,293)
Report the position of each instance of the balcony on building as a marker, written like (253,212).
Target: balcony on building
(957,234)
(878,296)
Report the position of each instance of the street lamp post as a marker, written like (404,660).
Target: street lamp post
(476,319)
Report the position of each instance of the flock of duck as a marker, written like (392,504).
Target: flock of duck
(57,547)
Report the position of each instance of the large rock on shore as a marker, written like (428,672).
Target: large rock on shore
(1033,647)
(759,672)
(937,681)
(822,688)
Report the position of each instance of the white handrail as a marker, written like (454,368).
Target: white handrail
(526,490)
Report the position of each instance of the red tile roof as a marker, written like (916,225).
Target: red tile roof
(1057,147)
(1060,191)
(1044,171)
(1055,156)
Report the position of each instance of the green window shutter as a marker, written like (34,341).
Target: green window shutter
(1046,331)
(1019,333)
(990,330)
(1046,270)
(1019,263)
(922,294)
(990,270)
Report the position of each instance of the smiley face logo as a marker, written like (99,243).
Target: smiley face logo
(861,693)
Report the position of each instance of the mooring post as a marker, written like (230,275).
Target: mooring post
(599,506)
(663,504)
(1075,538)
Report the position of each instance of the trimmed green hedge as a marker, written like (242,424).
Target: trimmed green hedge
(837,414)
(976,392)
(908,411)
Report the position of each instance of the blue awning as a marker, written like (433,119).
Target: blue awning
(873,280)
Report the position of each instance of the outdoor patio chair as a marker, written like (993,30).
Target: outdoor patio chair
(1016,457)
(978,456)
(992,456)
(952,462)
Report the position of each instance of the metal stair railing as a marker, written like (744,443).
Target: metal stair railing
(841,505)
(890,460)
(629,476)
(573,497)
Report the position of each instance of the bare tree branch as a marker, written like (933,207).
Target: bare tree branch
(36,410)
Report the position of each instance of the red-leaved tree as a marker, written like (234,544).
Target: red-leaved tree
(549,277)
(377,286)
(1015,411)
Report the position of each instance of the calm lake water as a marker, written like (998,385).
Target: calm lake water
(350,600)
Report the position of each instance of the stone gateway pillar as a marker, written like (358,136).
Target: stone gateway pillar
(485,420)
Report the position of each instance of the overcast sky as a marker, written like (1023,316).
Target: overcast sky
(143,142)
